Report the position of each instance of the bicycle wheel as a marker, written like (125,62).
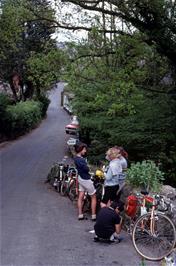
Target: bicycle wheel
(87,203)
(72,193)
(154,245)
(58,186)
(99,191)
(99,194)
(64,186)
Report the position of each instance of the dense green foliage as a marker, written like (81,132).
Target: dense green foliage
(156,19)
(21,118)
(145,175)
(27,48)
(44,104)
(18,119)
(26,43)
(122,99)
(44,69)
(124,79)
(4,102)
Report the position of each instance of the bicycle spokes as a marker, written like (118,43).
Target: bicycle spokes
(154,237)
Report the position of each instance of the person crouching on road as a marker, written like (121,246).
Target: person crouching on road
(84,180)
(112,173)
(108,223)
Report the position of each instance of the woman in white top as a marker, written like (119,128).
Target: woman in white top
(112,173)
(123,159)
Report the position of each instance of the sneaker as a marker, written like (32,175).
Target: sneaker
(115,241)
(82,217)
(93,217)
(96,239)
(92,231)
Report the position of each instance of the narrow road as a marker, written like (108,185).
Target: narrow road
(38,226)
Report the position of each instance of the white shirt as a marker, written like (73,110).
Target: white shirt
(113,171)
(123,162)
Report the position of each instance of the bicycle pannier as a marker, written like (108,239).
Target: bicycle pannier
(131,207)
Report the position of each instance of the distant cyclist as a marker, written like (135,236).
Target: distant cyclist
(84,180)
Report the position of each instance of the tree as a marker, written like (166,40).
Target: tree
(23,38)
(123,100)
(10,37)
(45,69)
(156,19)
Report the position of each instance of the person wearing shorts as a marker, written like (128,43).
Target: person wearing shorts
(84,180)
(112,173)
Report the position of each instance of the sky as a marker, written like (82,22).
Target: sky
(67,35)
(73,15)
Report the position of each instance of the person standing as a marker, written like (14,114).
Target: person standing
(123,157)
(112,173)
(123,160)
(84,181)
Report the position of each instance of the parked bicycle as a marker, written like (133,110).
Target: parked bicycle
(69,185)
(62,170)
(56,174)
(153,233)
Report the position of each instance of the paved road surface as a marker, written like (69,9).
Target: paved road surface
(38,226)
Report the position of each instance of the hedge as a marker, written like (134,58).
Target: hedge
(21,118)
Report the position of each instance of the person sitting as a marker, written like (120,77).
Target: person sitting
(108,223)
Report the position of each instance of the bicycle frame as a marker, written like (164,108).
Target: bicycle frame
(142,209)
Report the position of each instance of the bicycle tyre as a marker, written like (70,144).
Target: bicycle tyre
(86,203)
(148,245)
(72,194)
(99,191)
(58,187)
(64,186)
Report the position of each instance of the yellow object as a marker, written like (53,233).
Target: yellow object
(99,173)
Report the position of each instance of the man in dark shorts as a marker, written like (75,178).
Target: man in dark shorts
(108,223)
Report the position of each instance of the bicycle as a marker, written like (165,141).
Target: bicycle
(98,182)
(56,174)
(62,169)
(153,233)
(69,185)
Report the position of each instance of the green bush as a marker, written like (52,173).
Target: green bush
(4,102)
(145,175)
(22,117)
(45,103)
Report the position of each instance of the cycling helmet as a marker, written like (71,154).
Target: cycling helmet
(99,174)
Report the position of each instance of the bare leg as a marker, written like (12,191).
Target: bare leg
(80,202)
(93,204)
